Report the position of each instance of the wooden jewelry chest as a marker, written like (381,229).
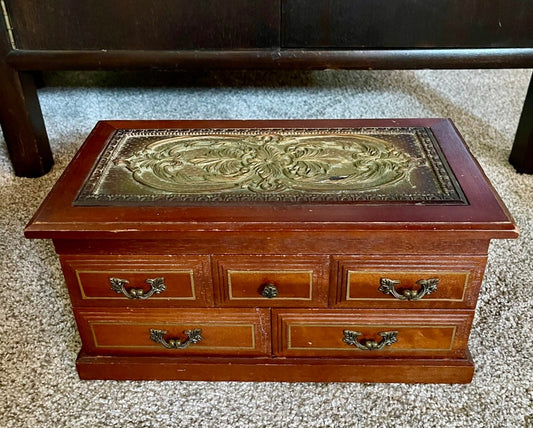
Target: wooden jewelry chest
(331,250)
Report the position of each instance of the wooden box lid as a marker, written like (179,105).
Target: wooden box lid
(157,177)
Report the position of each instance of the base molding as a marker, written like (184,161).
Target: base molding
(402,370)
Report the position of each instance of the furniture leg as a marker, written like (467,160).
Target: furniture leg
(522,153)
(22,123)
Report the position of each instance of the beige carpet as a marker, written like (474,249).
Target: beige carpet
(38,340)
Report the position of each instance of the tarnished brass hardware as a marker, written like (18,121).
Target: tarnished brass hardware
(427,286)
(352,338)
(269,290)
(193,336)
(157,285)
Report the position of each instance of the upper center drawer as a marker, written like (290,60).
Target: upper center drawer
(270,280)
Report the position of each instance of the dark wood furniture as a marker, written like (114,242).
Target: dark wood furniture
(179,34)
(275,250)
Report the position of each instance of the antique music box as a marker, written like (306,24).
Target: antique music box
(332,250)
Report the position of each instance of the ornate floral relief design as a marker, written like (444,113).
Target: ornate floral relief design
(168,166)
(269,163)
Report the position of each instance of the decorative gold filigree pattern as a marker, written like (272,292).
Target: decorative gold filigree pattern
(169,166)
(269,163)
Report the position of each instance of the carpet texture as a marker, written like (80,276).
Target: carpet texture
(38,339)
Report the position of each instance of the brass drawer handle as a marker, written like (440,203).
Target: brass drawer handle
(269,290)
(352,338)
(193,336)
(427,286)
(157,285)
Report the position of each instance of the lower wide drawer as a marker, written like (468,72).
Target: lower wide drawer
(371,333)
(114,331)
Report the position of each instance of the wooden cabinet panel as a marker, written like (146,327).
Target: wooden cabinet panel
(383,281)
(415,333)
(269,281)
(407,23)
(144,24)
(115,331)
(116,280)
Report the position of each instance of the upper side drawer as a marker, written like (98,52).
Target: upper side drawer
(270,281)
(407,23)
(406,281)
(138,280)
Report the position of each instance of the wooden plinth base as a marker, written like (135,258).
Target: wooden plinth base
(284,370)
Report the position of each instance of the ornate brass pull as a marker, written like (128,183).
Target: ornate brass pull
(427,286)
(193,336)
(352,338)
(269,290)
(157,285)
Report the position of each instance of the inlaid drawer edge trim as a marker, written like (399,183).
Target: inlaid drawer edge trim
(155,297)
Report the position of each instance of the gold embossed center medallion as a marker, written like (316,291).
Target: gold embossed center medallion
(268,163)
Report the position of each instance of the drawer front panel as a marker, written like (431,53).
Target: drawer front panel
(144,25)
(382,24)
(407,282)
(140,281)
(371,333)
(157,331)
(271,280)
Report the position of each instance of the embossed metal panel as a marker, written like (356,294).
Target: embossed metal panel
(153,166)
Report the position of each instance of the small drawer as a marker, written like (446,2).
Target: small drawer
(115,331)
(138,280)
(271,281)
(406,281)
(371,333)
